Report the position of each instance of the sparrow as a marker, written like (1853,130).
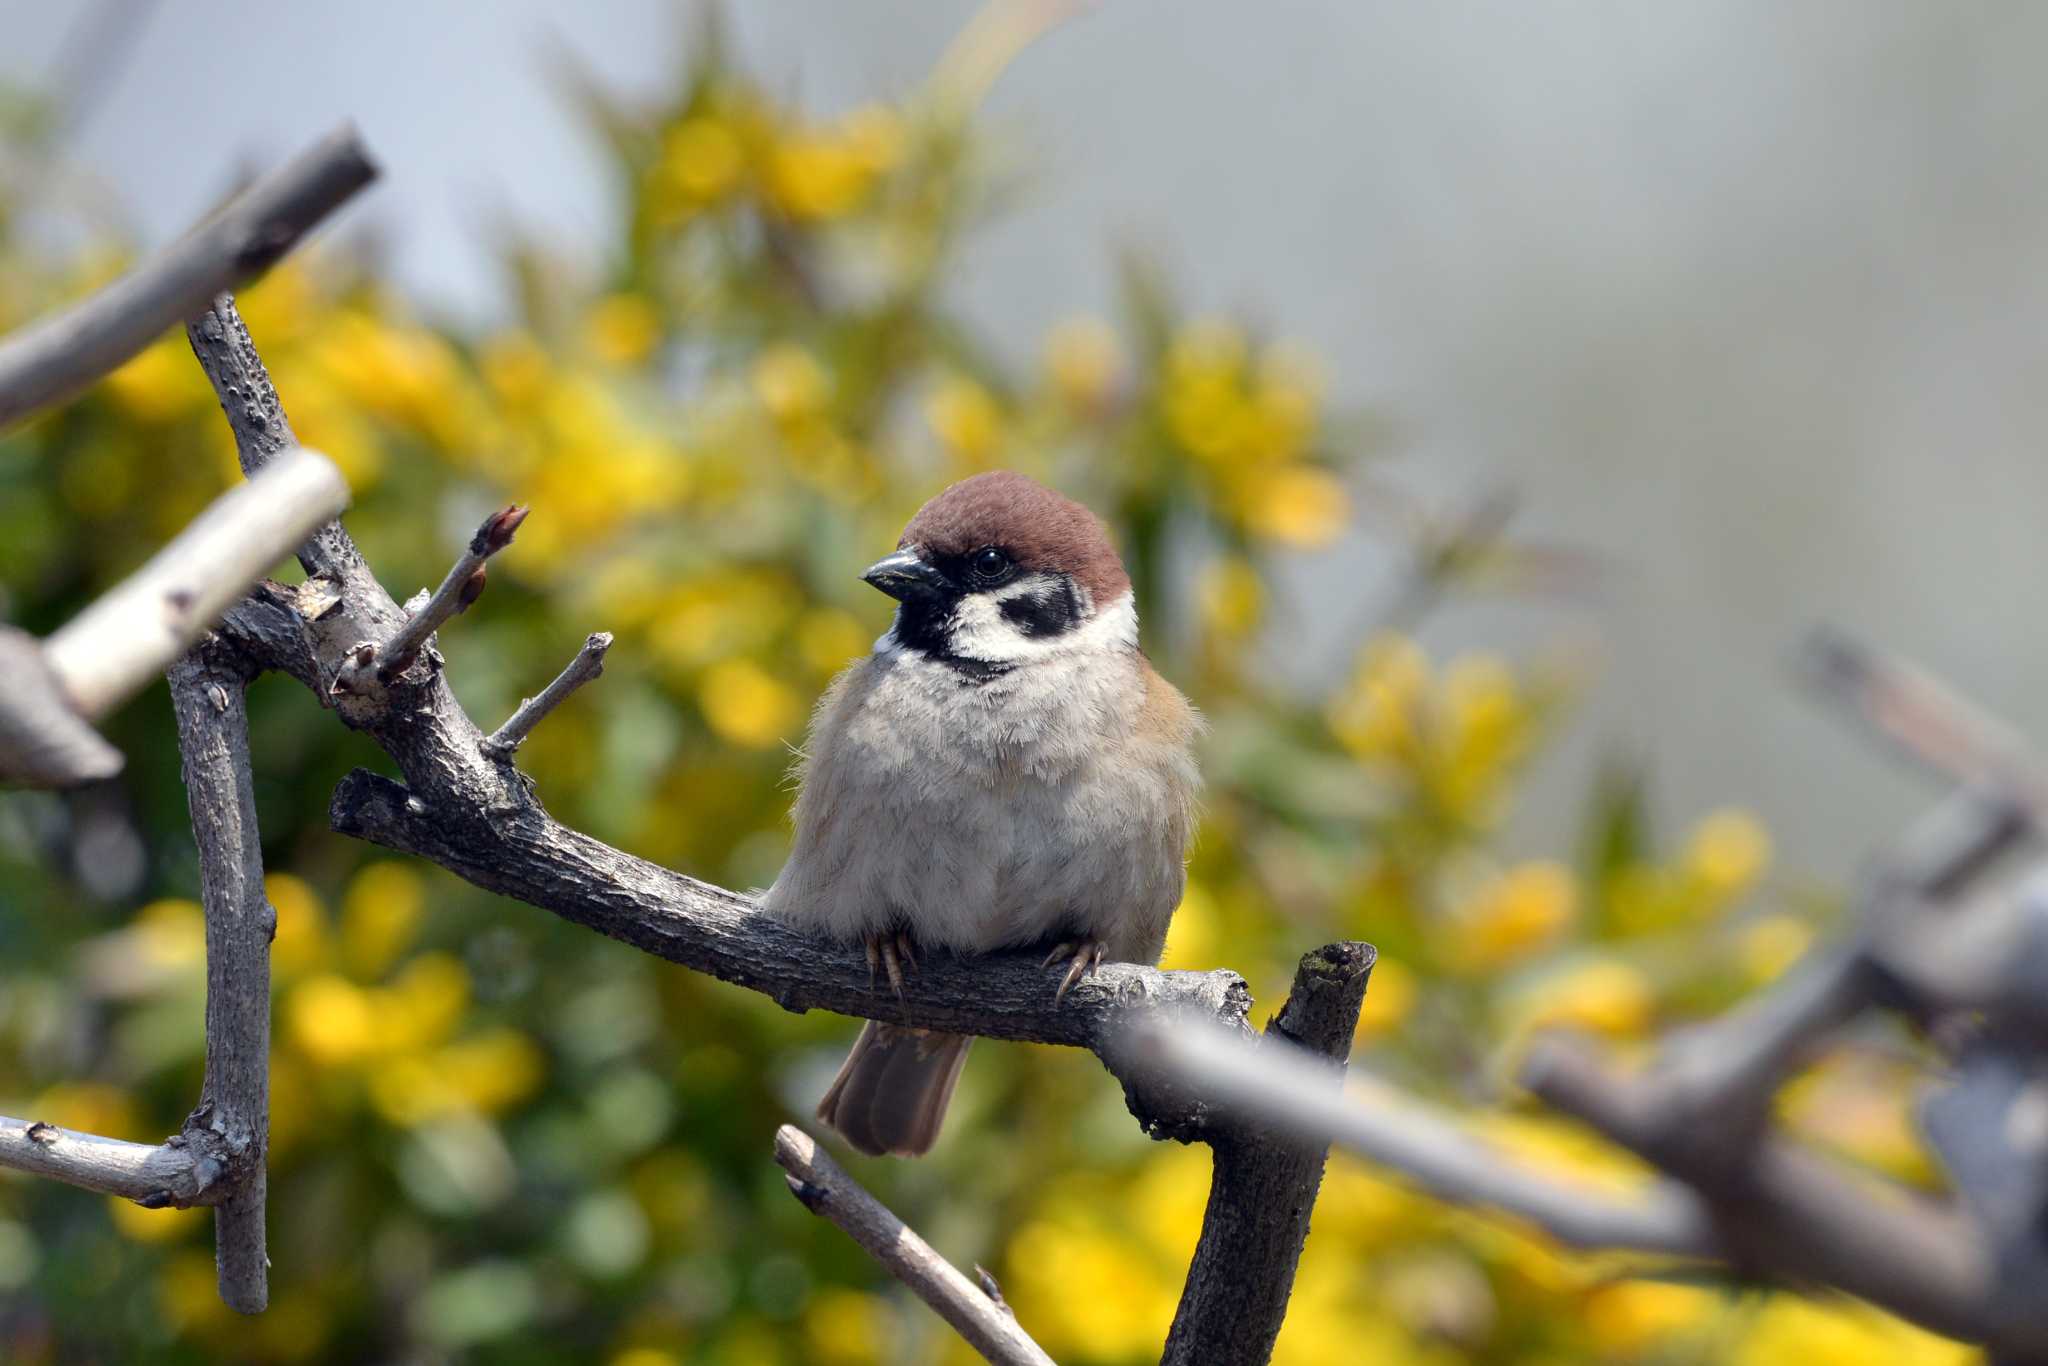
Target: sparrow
(1005,769)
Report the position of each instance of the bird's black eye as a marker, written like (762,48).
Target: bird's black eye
(990,562)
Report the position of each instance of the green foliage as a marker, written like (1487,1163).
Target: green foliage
(500,1137)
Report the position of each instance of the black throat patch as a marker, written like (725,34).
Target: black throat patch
(926,628)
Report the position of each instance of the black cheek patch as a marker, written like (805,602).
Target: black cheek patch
(1050,613)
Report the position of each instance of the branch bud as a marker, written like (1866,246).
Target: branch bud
(498,530)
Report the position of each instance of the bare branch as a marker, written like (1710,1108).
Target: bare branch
(52,359)
(152,1174)
(476,819)
(1787,1212)
(1924,719)
(43,743)
(221,342)
(1274,1087)
(826,1190)
(234,1108)
(111,649)
(588,664)
(1264,1185)
(382,662)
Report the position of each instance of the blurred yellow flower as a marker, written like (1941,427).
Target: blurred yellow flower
(874,133)
(515,367)
(166,1225)
(423,1005)
(188,1289)
(646,1356)
(301,940)
(90,1107)
(1603,996)
(1791,1328)
(1863,1108)
(329,1019)
(1192,934)
(1084,360)
(622,329)
(1634,1317)
(847,1328)
(1727,852)
(1207,348)
(1769,945)
(1129,1301)
(1483,728)
(380,914)
(747,705)
(162,383)
(1390,996)
(829,639)
(170,934)
(965,417)
(494,1070)
(1302,506)
(1232,596)
(702,162)
(1166,1199)
(790,383)
(1378,713)
(814,175)
(1512,916)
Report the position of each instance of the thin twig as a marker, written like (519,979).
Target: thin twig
(588,664)
(462,585)
(126,637)
(826,1190)
(1269,1086)
(234,1107)
(153,1174)
(54,358)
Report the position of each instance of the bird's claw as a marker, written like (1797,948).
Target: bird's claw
(892,952)
(1087,955)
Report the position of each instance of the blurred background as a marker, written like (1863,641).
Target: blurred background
(1486,398)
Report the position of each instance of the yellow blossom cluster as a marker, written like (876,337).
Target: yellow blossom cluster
(1456,738)
(1252,422)
(736,146)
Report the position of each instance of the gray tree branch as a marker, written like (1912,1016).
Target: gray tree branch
(1789,1213)
(1266,1086)
(588,664)
(152,1174)
(827,1191)
(207,689)
(54,358)
(129,634)
(1265,1182)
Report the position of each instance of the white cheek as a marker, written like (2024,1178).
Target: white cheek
(981,631)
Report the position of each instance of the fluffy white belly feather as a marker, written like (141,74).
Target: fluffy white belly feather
(981,815)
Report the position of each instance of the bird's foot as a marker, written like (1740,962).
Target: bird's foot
(1087,955)
(891,951)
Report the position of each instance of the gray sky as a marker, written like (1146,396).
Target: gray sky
(1739,294)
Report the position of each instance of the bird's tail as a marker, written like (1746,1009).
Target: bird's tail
(891,1092)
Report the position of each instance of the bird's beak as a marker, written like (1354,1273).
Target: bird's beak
(905,577)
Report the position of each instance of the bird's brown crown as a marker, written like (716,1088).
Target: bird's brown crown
(1042,530)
